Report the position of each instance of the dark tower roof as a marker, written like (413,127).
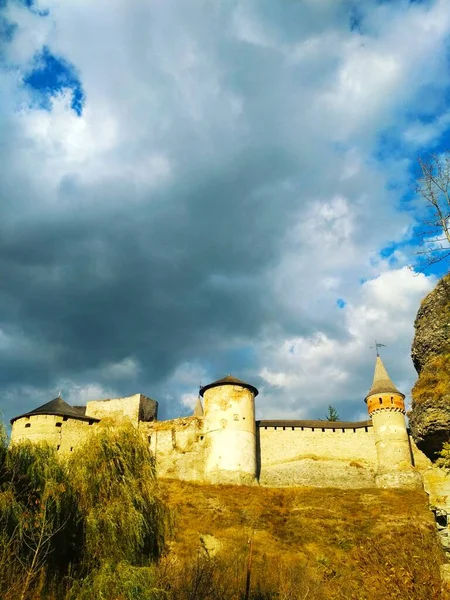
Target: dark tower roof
(382,383)
(229,380)
(58,407)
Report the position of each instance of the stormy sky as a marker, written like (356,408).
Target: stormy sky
(191,189)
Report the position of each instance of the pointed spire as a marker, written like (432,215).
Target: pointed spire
(382,383)
(198,410)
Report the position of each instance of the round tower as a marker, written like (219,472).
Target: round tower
(230,431)
(386,406)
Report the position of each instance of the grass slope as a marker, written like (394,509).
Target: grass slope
(307,543)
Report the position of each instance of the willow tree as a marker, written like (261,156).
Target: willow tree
(81,527)
(114,477)
(39,520)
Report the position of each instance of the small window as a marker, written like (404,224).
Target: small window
(392,400)
(381,400)
(149,439)
(243,418)
(293,428)
(58,424)
(201,437)
(58,447)
(323,429)
(65,418)
(27,424)
(71,448)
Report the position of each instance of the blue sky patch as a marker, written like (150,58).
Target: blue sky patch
(340,303)
(53,74)
(32,6)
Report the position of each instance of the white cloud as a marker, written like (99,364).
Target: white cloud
(314,371)
(125,369)
(189,400)
(78,395)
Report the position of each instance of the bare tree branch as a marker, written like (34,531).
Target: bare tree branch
(434,187)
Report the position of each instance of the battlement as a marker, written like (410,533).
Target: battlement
(314,425)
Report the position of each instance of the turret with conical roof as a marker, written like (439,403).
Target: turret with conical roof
(384,394)
(56,423)
(230,431)
(386,406)
(57,407)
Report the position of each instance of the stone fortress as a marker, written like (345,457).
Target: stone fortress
(223,443)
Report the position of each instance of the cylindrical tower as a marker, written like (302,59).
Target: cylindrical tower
(386,407)
(230,431)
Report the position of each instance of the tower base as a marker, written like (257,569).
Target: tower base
(230,477)
(407,480)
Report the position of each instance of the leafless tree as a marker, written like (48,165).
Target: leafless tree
(434,187)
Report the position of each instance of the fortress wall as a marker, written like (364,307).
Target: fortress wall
(179,447)
(64,434)
(319,458)
(115,408)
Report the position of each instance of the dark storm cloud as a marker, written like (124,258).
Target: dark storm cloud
(158,280)
(204,206)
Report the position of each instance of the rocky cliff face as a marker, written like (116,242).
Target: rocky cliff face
(430,414)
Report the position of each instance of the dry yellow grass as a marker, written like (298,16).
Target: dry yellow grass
(324,543)
(434,380)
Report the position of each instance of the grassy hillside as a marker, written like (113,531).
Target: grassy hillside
(100,525)
(307,543)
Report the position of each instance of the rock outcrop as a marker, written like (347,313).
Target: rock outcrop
(430,414)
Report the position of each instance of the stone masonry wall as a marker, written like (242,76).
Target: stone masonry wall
(320,458)
(286,456)
(115,407)
(179,447)
(64,434)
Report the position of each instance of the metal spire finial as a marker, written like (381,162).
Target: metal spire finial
(377,346)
